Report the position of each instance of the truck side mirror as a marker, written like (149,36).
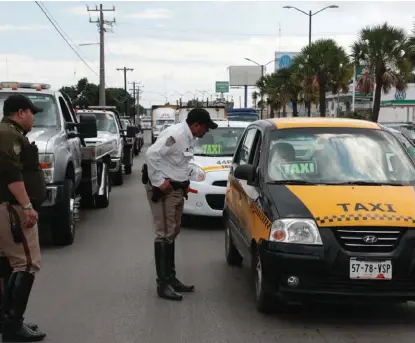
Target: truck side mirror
(131,131)
(87,126)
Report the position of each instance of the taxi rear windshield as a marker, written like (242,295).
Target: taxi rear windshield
(222,141)
(338,155)
(105,122)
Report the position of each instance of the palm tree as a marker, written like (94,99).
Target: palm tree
(387,52)
(271,87)
(255,96)
(324,58)
(304,77)
(290,85)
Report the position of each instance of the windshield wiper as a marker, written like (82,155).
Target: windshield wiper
(293,182)
(370,183)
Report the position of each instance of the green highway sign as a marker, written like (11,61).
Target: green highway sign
(222,87)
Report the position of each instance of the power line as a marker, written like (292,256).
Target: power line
(56,28)
(224,33)
(60,28)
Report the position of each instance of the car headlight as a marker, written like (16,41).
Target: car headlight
(196,173)
(47,163)
(298,231)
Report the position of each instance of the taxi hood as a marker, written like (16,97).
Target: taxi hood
(335,205)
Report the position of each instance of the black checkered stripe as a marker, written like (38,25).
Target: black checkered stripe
(261,215)
(364,216)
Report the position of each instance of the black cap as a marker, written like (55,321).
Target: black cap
(17,102)
(201,116)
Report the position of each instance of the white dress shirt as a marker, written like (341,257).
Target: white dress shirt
(169,156)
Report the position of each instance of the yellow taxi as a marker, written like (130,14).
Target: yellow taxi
(322,209)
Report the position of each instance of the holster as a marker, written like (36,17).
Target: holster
(144,174)
(158,193)
(15,224)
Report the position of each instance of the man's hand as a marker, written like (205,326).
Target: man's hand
(31,217)
(166,187)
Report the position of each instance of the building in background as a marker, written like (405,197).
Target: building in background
(284,59)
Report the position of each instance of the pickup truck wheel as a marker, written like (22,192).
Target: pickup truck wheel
(128,170)
(118,177)
(136,147)
(63,226)
(233,258)
(102,201)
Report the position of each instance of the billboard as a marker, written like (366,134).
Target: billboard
(244,75)
(284,59)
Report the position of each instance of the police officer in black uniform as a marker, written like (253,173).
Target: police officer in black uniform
(22,186)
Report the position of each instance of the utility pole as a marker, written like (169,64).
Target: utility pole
(136,95)
(101,28)
(125,69)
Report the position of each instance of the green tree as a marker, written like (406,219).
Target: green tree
(388,52)
(85,93)
(323,59)
(271,87)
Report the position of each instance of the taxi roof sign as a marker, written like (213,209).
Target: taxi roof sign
(30,85)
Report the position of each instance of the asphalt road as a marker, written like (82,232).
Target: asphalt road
(102,290)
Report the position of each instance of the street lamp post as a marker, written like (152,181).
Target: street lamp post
(310,15)
(262,75)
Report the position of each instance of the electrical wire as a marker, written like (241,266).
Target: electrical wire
(66,40)
(62,33)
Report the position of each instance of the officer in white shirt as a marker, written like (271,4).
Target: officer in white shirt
(166,178)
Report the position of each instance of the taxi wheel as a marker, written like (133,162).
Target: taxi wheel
(232,254)
(265,301)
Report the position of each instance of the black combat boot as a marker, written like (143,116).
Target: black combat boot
(16,297)
(163,265)
(177,285)
(5,272)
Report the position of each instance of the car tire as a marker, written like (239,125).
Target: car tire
(118,177)
(63,223)
(136,148)
(233,257)
(265,300)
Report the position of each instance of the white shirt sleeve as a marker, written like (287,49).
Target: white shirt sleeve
(163,146)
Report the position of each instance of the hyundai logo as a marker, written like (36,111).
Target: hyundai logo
(370,239)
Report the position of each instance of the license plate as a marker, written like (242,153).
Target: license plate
(370,270)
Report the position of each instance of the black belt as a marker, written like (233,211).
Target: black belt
(180,184)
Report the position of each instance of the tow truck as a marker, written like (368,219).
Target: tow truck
(75,171)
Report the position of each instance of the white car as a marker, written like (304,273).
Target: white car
(213,156)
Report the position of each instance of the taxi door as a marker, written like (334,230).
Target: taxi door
(241,212)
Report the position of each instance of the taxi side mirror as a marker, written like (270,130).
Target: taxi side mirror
(245,172)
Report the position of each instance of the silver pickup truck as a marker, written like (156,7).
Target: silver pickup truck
(75,172)
(110,128)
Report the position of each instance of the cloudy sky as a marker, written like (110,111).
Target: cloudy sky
(173,47)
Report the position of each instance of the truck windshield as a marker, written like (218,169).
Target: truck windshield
(106,122)
(338,156)
(219,142)
(47,118)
